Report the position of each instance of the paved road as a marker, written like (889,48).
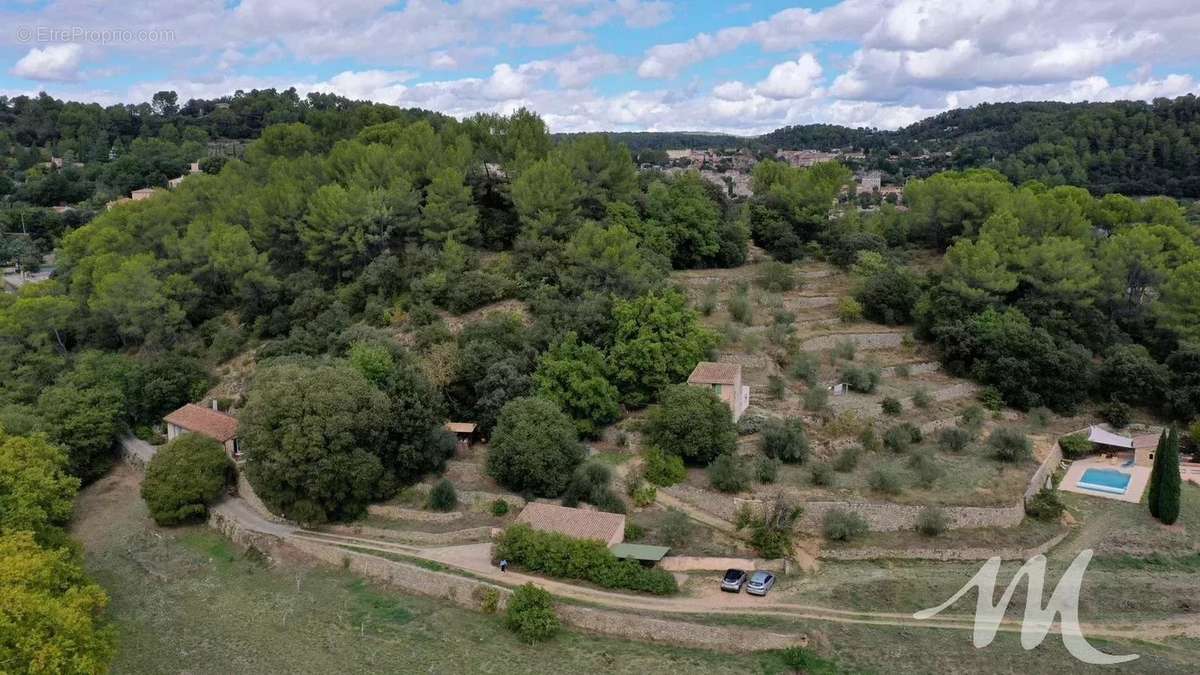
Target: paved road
(138,448)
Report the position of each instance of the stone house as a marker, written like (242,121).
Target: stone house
(575,523)
(725,379)
(196,419)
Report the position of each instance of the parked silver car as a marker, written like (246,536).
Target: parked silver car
(760,583)
(733,581)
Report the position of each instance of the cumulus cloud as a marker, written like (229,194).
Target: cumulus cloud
(909,59)
(792,79)
(57,63)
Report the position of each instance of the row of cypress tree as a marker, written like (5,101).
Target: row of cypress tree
(1165,482)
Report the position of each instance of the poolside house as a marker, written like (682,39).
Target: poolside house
(1142,445)
(725,379)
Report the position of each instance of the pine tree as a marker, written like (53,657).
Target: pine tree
(1169,484)
(1156,474)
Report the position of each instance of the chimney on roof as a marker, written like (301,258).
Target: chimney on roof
(215,406)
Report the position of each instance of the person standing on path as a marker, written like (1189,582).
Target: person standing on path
(504,565)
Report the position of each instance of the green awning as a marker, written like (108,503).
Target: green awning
(640,552)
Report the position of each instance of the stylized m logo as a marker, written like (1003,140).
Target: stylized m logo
(1037,620)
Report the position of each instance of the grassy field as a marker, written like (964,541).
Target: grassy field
(185,601)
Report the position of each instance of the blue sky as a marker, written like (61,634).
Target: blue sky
(741,67)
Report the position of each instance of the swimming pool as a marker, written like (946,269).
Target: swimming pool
(1105,480)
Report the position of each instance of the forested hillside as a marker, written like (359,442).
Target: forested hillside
(1129,147)
(338,254)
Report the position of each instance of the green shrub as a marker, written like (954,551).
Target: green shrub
(822,474)
(870,440)
(634,532)
(771,532)
(728,473)
(932,521)
(800,660)
(644,495)
(443,496)
(592,483)
(766,470)
(663,469)
(1010,445)
(861,379)
(744,516)
(499,507)
(1045,505)
(901,437)
(558,555)
(922,399)
(1075,446)
(953,439)
(708,303)
(740,308)
(805,368)
(972,418)
(489,600)
(816,399)
(845,350)
(847,459)
(886,479)
(991,398)
(785,440)
(184,478)
(891,406)
(902,371)
(927,469)
(1040,417)
(776,276)
(676,528)
(776,387)
(1116,413)
(842,525)
(751,423)
(531,615)
(849,310)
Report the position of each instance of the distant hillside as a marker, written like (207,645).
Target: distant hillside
(1127,146)
(671,140)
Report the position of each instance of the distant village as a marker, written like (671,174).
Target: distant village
(732,169)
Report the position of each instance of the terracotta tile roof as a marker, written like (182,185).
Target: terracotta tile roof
(460,427)
(1145,441)
(707,372)
(576,523)
(201,420)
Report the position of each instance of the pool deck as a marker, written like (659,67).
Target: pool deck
(1138,477)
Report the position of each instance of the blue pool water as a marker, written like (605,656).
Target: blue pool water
(1105,480)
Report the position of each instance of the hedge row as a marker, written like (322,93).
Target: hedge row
(558,555)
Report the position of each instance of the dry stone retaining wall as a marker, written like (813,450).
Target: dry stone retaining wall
(469,593)
(861,340)
(469,535)
(887,517)
(688,563)
(399,513)
(874,553)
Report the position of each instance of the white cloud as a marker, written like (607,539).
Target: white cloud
(507,82)
(792,79)
(57,63)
